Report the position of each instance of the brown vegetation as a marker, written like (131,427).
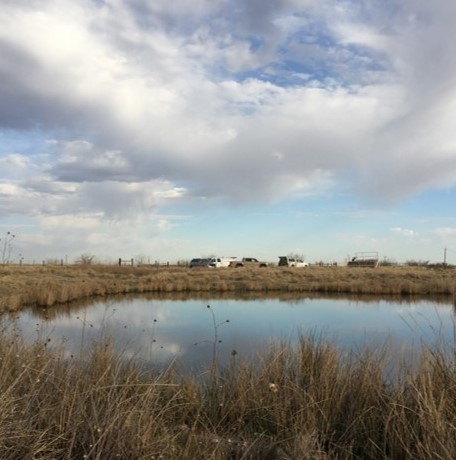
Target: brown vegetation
(306,402)
(309,401)
(49,285)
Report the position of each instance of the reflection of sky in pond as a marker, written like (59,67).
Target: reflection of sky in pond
(160,330)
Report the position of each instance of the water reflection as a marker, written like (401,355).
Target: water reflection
(207,297)
(158,329)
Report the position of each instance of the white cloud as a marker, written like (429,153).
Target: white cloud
(146,103)
(7,189)
(404,232)
(13,160)
(154,110)
(446,232)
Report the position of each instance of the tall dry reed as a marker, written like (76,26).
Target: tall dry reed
(306,401)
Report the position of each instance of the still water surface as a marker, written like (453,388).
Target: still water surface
(161,330)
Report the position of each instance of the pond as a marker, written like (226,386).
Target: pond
(159,330)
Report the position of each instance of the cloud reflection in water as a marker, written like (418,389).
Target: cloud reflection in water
(160,330)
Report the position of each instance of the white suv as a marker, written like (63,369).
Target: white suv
(285,261)
(219,262)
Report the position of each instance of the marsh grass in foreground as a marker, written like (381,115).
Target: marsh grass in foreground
(307,401)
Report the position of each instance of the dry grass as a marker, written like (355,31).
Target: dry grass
(48,285)
(308,401)
(302,402)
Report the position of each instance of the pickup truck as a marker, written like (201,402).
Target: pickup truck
(248,262)
(285,261)
(220,262)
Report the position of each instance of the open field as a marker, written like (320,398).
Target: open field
(50,285)
(296,402)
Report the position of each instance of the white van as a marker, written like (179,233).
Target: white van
(219,262)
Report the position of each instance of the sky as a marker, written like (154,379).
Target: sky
(168,130)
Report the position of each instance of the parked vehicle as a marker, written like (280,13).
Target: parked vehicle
(285,261)
(219,262)
(248,262)
(198,262)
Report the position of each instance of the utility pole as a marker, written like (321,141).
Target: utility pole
(444,256)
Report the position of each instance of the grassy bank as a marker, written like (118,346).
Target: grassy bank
(302,402)
(50,285)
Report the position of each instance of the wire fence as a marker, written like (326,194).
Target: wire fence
(119,262)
